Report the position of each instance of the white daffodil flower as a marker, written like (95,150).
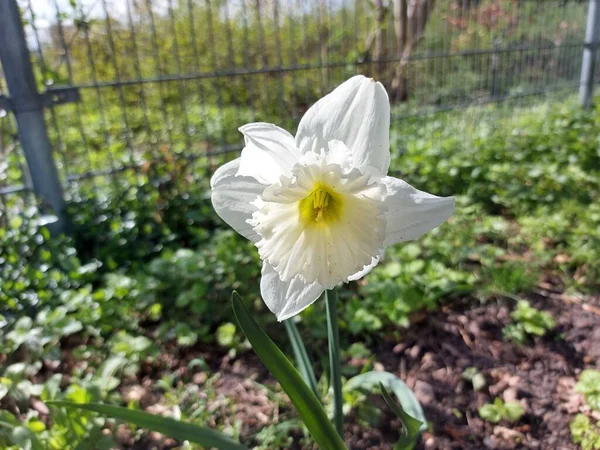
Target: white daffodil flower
(320,207)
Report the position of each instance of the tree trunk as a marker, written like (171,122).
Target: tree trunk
(410,20)
(324,42)
(375,42)
(379,26)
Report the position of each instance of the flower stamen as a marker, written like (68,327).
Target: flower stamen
(320,202)
(321,206)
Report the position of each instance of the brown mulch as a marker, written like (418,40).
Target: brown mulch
(540,374)
(431,357)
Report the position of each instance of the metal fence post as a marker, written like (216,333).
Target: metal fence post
(588,65)
(27,105)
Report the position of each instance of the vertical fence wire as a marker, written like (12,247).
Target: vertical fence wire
(321,43)
(94,77)
(276,29)
(12,151)
(159,72)
(227,25)
(127,133)
(214,66)
(180,86)
(78,110)
(60,146)
(8,145)
(293,61)
(303,27)
(153,138)
(249,79)
(263,55)
(4,217)
(197,68)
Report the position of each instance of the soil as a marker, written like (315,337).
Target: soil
(540,374)
(431,357)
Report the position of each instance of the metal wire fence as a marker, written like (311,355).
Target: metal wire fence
(157,81)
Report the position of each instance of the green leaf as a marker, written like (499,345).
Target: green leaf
(307,404)
(585,433)
(515,332)
(226,335)
(534,328)
(24,438)
(532,320)
(579,427)
(478,382)
(513,411)
(412,426)
(169,427)
(302,359)
(593,400)
(3,390)
(589,381)
(89,442)
(409,411)
(110,367)
(198,362)
(37,426)
(475,377)
(491,413)
(370,380)
(589,385)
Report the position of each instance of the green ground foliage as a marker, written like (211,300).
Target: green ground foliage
(585,433)
(499,410)
(151,267)
(589,386)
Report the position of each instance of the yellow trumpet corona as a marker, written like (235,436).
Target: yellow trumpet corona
(322,206)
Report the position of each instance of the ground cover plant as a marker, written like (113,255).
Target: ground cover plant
(135,312)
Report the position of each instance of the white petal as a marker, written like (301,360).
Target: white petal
(412,213)
(367,269)
(357,113)
(285,299)
(232,195)
(270,152)
(326,253)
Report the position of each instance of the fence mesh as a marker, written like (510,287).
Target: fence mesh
(166,83)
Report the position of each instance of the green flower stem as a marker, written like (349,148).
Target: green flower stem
(303,361)
(333,336)
(307,404)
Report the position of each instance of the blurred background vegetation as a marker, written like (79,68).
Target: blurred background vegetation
(482,109)
(171,81)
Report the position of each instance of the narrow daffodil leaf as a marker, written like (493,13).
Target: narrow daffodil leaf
(411,425)
(176,429)
(369,381)
(306,402)
(302,359)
